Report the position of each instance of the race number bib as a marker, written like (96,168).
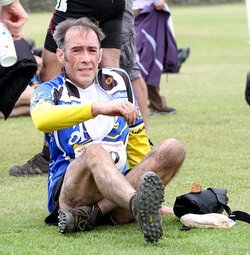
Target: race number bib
(61,5)
(117,151)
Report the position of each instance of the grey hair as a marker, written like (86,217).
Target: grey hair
(83,23)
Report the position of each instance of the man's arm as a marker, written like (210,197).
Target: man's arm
(13,15)
(48,117)
(159,4)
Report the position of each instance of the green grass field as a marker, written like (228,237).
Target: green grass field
(212,121)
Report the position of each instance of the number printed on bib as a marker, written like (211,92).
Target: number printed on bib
(61,5)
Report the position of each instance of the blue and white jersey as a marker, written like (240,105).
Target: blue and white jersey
(111,132)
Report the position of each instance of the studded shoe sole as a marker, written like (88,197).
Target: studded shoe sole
(66,222)
(147,204)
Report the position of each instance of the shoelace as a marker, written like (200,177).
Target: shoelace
(82,218)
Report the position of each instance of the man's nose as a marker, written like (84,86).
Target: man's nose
(85,56)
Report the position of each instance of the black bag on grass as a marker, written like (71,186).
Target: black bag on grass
(211,200)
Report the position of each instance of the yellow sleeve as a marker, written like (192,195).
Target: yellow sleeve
(48,117)
(138,146)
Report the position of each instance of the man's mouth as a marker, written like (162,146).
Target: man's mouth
(85,69)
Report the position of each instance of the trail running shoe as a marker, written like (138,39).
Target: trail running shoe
(77,219)
(183,54)
(166,111)
(37,165)
(146,206)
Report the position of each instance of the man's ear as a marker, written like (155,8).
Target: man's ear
(60,55)
(100,56)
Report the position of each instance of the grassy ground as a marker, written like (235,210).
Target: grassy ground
(212,121)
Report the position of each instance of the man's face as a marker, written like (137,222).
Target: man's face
(80,56)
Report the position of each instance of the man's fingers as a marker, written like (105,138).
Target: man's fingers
(130,114)
(116,108)
(15,30)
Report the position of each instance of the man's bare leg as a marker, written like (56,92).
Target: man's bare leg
(141,94)
(165,160)
(110,57)
(20,111)
(92,178)
(88,179)
(24,99)
(50,66)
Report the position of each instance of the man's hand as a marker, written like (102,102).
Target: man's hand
(116,108)
(159,4)
(14,17)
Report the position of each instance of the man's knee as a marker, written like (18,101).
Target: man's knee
(175,151)
(177,146)
(94,153)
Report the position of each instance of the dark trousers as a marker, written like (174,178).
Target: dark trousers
(156,101)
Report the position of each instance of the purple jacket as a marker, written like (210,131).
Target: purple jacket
(156,47)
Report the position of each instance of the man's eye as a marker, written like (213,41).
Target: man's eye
(93,50)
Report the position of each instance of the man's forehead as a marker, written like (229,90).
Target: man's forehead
(80,32)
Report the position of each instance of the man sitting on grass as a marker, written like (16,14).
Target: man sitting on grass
(93,125)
